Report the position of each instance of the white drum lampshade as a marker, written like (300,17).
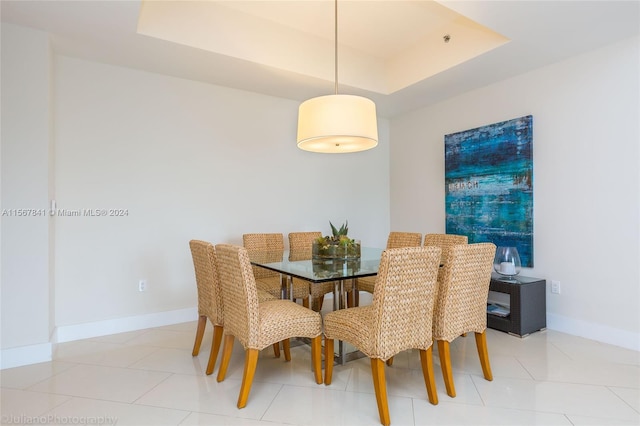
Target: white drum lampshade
(337,124)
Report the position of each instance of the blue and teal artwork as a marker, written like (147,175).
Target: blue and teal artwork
(489,185)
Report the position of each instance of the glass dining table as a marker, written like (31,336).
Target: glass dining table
(342,272)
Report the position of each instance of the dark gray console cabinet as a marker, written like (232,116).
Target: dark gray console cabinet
(528,305)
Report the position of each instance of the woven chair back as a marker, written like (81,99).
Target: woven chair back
(270,246)
(209,292)
(403,300)
(394,240)
(461,304)
(403,239)
(239,294)
(300,244)
(445,242)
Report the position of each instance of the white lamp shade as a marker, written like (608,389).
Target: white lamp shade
(337,124)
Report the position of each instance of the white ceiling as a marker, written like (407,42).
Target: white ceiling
(396,44)
(530,34)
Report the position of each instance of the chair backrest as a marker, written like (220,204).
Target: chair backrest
(271,244)
(404,239)
(209,293)
(445,242)
(239,293)
(264,241)
(300,244)
(403,299)
(461,304)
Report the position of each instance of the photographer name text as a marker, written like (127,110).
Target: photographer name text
(51,419)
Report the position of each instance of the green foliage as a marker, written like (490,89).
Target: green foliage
(338,245)
(337,233)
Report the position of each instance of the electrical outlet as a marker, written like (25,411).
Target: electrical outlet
(142,285)
(555,287)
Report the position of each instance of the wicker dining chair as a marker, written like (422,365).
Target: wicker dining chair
(394,240)
(267,280)
(258,325)
(461,304)
(300,248)
(210,299)
(445,242)
(399,318)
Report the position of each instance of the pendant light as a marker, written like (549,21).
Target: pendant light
(337,123)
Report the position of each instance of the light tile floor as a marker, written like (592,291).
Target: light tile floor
(149,377)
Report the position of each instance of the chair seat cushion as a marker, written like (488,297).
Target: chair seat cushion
(283,319)
(273,286)
(316,289)
(264,296)
(367,284)
(353,325)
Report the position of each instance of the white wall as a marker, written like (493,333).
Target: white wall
(190,160)
(26,279)
(186,160)
(586,181)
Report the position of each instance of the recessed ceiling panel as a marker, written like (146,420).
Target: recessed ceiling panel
(384,46)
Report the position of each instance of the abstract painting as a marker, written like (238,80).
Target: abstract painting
(489,185)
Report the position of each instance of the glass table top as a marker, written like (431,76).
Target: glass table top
(301,265)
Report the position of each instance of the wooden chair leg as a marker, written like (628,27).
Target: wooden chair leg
(316,355)
(226,356)
(305,302)
(286,346)
(445,363)
(390,362)
(250,362)
(317,303)
(276,349)
(426,360)
(215,348)
(353,295)
(483,354)
(380,387)
(202,323)
(351,299)
(328,360)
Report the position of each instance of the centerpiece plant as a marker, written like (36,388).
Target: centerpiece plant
(338,245)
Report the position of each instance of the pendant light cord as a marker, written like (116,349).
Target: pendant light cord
(336,44)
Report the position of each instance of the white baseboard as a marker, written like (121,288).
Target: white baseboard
(68,333)
(33,354)
(598,332)
(25,355)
